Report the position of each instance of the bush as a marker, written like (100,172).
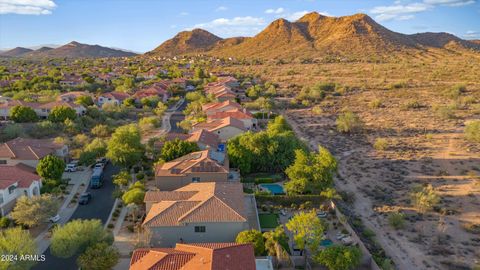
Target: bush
(411,105)
(130,228)
(348,122)
(4,222)
(396,220)
(455,91)
(472,228)
(445,112)
(288,201)
(140,176)
(398,85)
(472,131)
(264,180)
(375,104)
(110,226)
(381,144)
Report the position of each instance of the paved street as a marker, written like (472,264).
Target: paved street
(98,208)
(176,117)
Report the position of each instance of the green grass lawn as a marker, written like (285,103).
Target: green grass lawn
(268,220)
(262,178)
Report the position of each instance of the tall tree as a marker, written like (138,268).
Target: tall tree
(135,194)
(16,242)
(100,256)
(253,237)
(339,257)
(60,113)
(307,230)
(177,148)
(125,147)
(76,236)
(51,168)
(22,114)
(35,210)
(85,101)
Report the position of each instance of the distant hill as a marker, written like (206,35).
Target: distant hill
(16,52)
(71,50)
(194,41)
(313,35)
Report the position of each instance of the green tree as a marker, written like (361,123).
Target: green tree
(35,210)
(349,122)
(177,148)
(97,148)
(12,131)
(122,178)
(424,198)
(60,113)
(255,238)
(125,147)
(17,242)
(85,101)
(311,171)
(51,168)
(100,256)
(76,236)
(276,242)
(135,194)
(307,230)
(22,114)
(472,131)
(339,257)
(160,109)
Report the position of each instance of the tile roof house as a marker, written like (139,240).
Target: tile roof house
(30,151)
(206,256)
(114,97)
(249,121)
(15,181)
(204,139)
(152,91)
(196,213)
(169,137)
(194,167)
(226,128)
(43,110)
(72,96)
(214,107)
(6,105)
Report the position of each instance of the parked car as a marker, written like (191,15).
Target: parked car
(99,166)
(71,167)
(282,212)
(85,198)
(322,214)
(102,160)
(347,240)
(55,218)
(341,235)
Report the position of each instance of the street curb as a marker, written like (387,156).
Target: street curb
(111,213)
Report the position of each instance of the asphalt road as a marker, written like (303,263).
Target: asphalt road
(98,208)
(176,117)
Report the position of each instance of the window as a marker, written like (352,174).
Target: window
(11,189)
(195,179)
(200,229)
(3,161)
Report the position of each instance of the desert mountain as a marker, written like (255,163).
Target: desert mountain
(72,50)
(314,35)
(18,51)
(194,41)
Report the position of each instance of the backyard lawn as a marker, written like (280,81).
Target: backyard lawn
(259,178)
(268,221)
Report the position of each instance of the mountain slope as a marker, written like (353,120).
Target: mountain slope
(195,41)
(315,35)
(18,51)
(77,50)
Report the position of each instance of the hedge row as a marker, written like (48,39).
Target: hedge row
(288,200)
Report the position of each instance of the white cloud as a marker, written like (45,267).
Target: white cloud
(221,8)
(296,15)
(470,34)
(451,3)
(399,12)
(183,13)
(27,7)
(275,11)
(238,26)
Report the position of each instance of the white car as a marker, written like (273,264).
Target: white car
(341,235)
(55,218)
(322,214)
(99,166)
(347,240)
(71,167)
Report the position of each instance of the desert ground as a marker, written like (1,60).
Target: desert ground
(425,145)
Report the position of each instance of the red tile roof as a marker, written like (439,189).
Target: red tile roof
(203,202)
(28,149)
(217,124)
(205,137)
(206,256)
(194,162)
(20,173)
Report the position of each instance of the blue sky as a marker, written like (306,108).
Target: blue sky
(141,25)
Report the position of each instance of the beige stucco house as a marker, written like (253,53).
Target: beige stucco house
(195,167)
(195,213)
(30,151)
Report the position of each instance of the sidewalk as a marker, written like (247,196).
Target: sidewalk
(65,212)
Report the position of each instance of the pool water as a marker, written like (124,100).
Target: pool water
(326,243)
(275,189)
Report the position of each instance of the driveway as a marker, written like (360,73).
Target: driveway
(98,208)
(177,117)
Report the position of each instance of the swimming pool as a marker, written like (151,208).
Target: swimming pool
(326,243)
(275,189)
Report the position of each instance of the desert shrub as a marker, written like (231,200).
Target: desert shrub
(472,228)
(380,144)
(396,220)
(4,222)
(424,198)
(349,122)
(398,85)
(411,105)
(455,91)
(472,131)
(375,104)
(445,112)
